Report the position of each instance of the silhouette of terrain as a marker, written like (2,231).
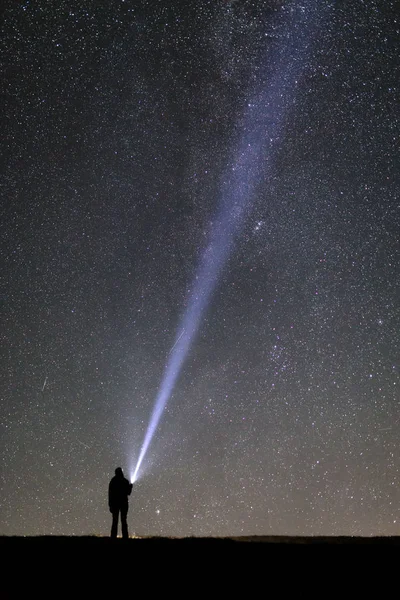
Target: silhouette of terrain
(91,566)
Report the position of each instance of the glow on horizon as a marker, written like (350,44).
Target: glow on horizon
(262,126)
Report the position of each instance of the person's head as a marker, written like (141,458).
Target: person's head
(118,472)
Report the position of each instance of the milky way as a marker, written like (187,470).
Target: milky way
(124,126)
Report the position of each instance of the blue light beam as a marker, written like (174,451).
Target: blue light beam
(262,125)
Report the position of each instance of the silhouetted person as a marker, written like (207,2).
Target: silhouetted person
(118,492)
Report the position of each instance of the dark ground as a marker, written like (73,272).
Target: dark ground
(99,567)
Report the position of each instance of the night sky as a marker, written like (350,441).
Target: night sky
(121,120)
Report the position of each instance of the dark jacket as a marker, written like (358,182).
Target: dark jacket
(118,492)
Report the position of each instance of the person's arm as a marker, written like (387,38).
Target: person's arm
(109,496)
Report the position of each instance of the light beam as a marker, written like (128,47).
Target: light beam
(262,125)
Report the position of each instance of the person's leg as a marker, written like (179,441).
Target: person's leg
(114,527)
(124,523)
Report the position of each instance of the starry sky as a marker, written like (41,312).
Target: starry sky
(119,124)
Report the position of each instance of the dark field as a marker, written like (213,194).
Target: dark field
(83,567)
